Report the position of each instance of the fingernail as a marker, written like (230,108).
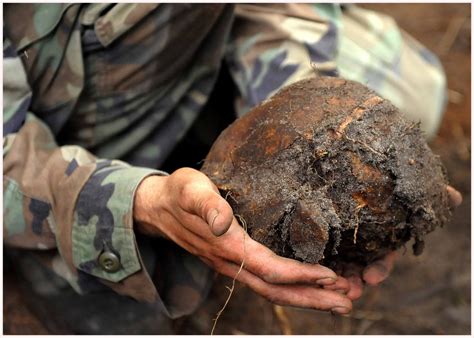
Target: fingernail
(340,310)
(211,218)
(326,281)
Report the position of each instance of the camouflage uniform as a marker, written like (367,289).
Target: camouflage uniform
(125,82)
(272,46)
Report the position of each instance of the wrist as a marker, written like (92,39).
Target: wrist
(145,203)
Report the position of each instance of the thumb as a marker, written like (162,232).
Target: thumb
(212,208)
(198,195)
(219,220)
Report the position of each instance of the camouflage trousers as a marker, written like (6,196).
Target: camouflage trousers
(277,46)
(374,51)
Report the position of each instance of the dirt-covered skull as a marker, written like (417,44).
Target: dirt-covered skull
(327,171)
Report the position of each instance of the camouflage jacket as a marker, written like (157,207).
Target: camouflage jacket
(97,95)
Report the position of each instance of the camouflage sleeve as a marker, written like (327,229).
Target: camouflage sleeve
(64,198)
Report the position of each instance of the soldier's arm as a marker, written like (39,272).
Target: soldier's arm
(64,197)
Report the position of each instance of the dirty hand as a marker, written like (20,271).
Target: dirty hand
(186,207)
(378,271)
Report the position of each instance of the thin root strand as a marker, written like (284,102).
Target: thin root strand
(231,288)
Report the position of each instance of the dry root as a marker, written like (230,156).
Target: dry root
(231,288)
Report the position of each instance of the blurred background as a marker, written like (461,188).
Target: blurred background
(428,294)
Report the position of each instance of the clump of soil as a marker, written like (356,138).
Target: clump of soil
(326,171)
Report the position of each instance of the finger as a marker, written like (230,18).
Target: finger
(356,287)
(275,269)
(284,294)
(201,199)
(191,241)
(341,285)
(290,295)
(378,271)
(220,218)
(353,274)
(263,262)
(455,197)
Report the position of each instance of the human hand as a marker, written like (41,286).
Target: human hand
(375,273)
(186,207)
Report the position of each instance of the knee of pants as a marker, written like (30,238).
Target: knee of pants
(393,64)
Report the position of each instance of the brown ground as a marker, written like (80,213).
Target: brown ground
(429,294)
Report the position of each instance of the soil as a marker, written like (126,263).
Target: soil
(326,171)
(427,294)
